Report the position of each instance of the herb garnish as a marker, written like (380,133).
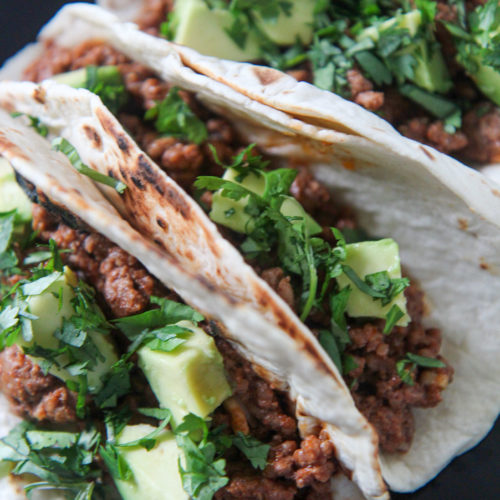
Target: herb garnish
(309,260)
(62,145)
(35,122)
(156,328)
(107,83)
(173,117)
(63,461)
(406,367)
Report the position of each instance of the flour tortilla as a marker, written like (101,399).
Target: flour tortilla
(445,217)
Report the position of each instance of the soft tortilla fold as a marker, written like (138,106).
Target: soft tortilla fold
(445,217)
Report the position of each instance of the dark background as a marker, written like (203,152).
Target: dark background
(473,476)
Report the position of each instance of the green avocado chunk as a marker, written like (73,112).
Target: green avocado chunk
(11,195)
(189,379)
(231,213)
(155,472)
(204,29)
(370,257)
(78,78)
(430,71)
(51,311)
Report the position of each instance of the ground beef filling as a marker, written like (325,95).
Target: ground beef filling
(296,468)
(32,394)
(183,161)
(378,391)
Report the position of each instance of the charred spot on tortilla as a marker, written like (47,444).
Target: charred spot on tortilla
(178,203)
(163,224)
(6,145)
(146,170)
(93,136)
(463,224)
(484,265)
(138,183)
(39,95)
(123,143)
(124,173)
(427,153)
(267,76)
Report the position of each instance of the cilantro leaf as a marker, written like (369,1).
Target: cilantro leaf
(329,344)
(406,367)
(253,449)
(116,464)
(425,361)
(107,82)
(173,117)
(63,461)
(35,123)
(39,286)
(393,316)
(62,145)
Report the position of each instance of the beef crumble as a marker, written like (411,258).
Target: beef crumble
(296,468)
(31,393)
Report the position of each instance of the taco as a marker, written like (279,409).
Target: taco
(428,68)
(65,367)
(407,178)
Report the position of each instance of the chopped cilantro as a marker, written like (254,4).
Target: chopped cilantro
(156,328)
(407,366)
(393,316)
(63,461)
(253,449)
(107,83)
(35,122)
(173,117)
(62,145)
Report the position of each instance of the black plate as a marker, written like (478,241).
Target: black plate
(473,476)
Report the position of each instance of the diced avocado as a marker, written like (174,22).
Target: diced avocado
(11,195)
(292,208)
(430,72)
(370,257)
(411,21)
(286,29)
(189,379)
(78,78)
(51,311)
(204,29)
(487,79)
(155,472)
(231,213)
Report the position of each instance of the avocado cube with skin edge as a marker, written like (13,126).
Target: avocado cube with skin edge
(189,379)
(370,257)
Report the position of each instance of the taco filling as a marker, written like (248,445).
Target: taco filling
(89,336)
(429,68)
(346,287)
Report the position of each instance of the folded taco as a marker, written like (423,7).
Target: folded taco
(445,224)
(428,68)
(119,381)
